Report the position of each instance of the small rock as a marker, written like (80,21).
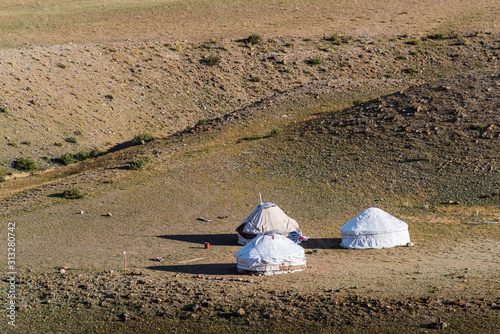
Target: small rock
(109,214)
(240,312)
(63,271)
(410,244)
(81,212)
(440,324)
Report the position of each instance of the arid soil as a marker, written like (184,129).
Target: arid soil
(373,110)
(75,98)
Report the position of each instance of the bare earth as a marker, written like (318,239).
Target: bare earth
(389,104)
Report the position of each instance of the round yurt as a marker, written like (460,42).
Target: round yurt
(268,217)
(374,228)
(270,254)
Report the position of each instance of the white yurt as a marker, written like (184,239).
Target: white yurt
(374,228)
(268,217)
(270,254)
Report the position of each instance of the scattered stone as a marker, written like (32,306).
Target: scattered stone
(204,219)
(440,324)
(109,214)
(240,312)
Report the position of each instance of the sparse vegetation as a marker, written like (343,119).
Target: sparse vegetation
(407,148)
(254,39)
(213,60)
(142,138)
(72,194)
(336,39)
(254,78)
(25,164)
(314,61)
(3,109)
(67,159)
(202,121)
(139,163)
(108,97)
(82,155)
(276,132)
(71,140)
(436,36)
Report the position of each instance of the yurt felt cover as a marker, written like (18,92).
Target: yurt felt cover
(266,217)
(270,254)
(374,228)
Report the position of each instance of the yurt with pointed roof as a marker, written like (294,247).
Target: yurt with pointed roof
(270,254)
(268,217)
(374,228)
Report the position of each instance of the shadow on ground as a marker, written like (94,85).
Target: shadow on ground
(325,243)
(229,239)
(203,269)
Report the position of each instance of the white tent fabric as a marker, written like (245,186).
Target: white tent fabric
(270,254)
(374,228)
(266,217)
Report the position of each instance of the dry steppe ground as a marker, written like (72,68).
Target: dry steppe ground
(392,104)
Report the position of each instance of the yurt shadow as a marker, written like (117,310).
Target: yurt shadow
(200,269)
(322,243)
(228,239)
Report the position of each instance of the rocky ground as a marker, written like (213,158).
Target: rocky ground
(75,98)
(183,303)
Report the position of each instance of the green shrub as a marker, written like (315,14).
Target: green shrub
(213,60)
(142,138)
(202,121)
(275,132)
(138,163)
(72,194)
(314,61)
(254,39)
(3,109)
(337,40)
(71,140)
(108,97)
(67,159)
(413,42)
(254,78)
(357,101)
(82,155)
(25,164)
(436,36)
